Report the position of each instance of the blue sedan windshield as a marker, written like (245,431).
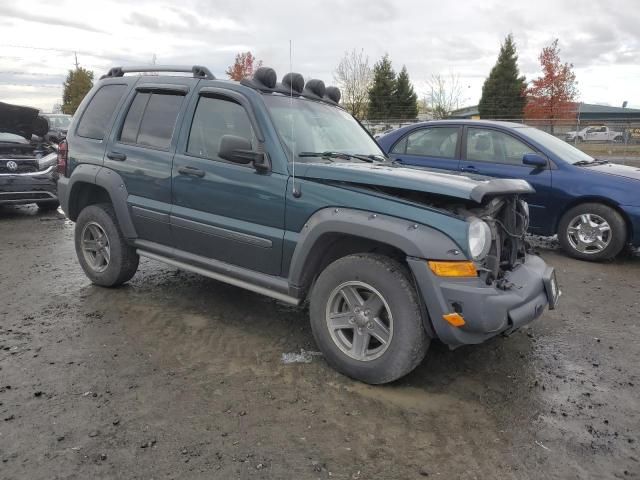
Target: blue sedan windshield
(560,148)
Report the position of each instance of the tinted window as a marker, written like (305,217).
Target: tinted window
(214,118)
(159,120)
(134,116)
(151,120)
(96,118)
(430,142)
(485,145)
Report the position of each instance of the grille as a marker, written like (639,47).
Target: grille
(24,166)
(8,196)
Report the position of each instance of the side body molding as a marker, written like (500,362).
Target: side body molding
(112,183)
(415,240)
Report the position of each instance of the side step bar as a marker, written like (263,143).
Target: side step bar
(262,288)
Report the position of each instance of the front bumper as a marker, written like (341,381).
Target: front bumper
(21,188)
(633,214)
(487,310)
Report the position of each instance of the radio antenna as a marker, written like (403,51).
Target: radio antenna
(294,188)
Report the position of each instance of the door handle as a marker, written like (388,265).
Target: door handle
(191,171)
(470,169)
(120,157)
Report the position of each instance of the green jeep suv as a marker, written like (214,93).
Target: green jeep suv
(273,187)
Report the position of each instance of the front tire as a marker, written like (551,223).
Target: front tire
(366,318)
(104,255)
(592,231)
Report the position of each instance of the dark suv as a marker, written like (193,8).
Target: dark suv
(273,187)
(27,162)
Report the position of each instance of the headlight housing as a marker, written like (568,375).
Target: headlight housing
(479,235)
(47,161)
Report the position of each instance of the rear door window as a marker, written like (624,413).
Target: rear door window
(151,120)
(96,118)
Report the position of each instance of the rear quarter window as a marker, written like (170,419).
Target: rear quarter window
(96,118)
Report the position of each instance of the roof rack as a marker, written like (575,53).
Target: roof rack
(197,70)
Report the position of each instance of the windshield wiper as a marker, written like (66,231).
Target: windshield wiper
(595,161)
(341,155)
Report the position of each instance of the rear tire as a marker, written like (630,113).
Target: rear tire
(375,335)
(104,255)
(592,231)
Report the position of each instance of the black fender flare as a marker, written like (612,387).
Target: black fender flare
(114,186)
(415,240)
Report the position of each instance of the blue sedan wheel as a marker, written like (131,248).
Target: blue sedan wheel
(592,231)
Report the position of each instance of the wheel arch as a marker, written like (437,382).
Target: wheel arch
(90,184)
(332,233)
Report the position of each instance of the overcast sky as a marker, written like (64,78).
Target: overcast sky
(38,38)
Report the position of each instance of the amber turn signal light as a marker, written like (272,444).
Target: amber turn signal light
(453,269)
(454,319)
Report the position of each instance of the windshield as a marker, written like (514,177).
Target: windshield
(308,126)
(59,121)
(563,150)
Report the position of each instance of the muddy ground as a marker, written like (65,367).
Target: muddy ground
(179,376)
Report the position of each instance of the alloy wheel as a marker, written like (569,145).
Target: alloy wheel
(95,247)
(359,320)
(589,233)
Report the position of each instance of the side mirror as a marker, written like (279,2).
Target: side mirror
(238,150)
(534,160)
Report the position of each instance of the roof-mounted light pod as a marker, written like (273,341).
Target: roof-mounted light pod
(332,94)
(263,79)
(314,89)
(293,82)
(266,76)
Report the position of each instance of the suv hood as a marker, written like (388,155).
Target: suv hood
(464,186)
(23,121)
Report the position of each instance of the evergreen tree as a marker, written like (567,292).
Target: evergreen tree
(76,86)
(406,100)
(503,92)
(382,91)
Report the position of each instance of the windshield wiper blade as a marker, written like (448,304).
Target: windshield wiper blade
(585,162)
(374,157)
(342,155)
(325,155)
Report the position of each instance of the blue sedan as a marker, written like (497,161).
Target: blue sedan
(593,205)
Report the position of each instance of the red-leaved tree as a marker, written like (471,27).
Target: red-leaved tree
(243,66)
(552,95)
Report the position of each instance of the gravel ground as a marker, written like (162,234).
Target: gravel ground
(178,376)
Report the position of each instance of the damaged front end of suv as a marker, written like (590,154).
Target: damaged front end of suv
(486,283)
(27,162)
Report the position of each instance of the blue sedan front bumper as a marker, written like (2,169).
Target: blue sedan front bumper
(633,214)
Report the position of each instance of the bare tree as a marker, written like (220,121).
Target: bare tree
(444,95)
(354,76)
